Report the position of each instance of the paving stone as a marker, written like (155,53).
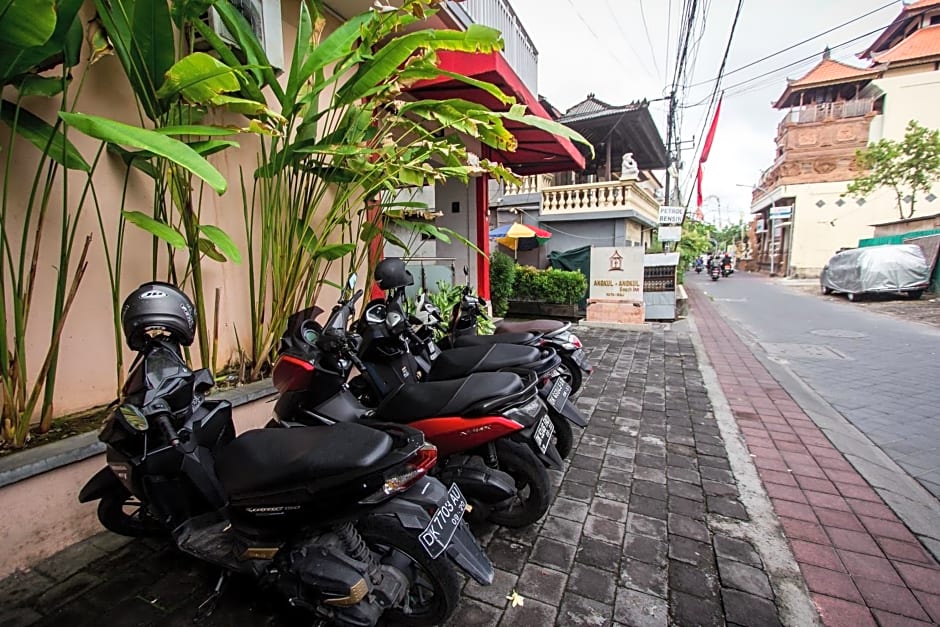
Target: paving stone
(580,475)
(508,555)
(576,491)
(594,552)
(577,610)
(691,579)
(648,578)
(609,509)
(685,490)
(543,584)
(650,489)
(19,617)
(686,507)
(688,528)
(603,529)
(67,590)
(645,549)
(735,549)
(690,551)
(22,586)
(646,525)
(554,554)
(561,529)
(613,491)
(496,593)
(592,583)
(587,463)
(471,612)
(747,609)
(648,507)
(69,561)
(726,506)
(617,475)
(638,609)
(686,609)
(743,577)
(569,509)
(531,613)
(622,463)
(654,475)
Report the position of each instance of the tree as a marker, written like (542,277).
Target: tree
(697,239)
(908,167)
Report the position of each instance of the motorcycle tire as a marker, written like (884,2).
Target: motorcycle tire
(571,373)
(113,515)
(564,436)
(383,535)
(533,484)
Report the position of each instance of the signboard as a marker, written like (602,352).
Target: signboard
(617,273)
(781,213)
(671,215)
(759,226)
(670,233)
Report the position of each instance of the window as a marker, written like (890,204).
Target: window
(264,16)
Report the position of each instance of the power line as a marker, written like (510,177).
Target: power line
(629,42)
(649,40)
(798,44)
(603,41)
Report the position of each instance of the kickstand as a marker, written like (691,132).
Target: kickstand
(207,607)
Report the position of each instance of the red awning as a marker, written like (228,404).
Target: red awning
(538,151)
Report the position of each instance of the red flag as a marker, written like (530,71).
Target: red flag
(711,134)
(706,149)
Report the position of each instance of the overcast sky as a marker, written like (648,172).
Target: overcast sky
(601,47)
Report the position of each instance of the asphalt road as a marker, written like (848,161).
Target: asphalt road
(880,373)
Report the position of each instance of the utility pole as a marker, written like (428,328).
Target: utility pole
(670,123)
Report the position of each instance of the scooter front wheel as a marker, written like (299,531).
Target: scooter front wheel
(533,486)
(435,588)
(123,514)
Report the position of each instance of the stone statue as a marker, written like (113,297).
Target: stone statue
(629,171)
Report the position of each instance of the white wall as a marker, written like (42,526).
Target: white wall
(909,97)
(463,222)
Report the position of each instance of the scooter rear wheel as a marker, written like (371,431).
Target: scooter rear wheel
(533,485)
(435,588)
(571,373)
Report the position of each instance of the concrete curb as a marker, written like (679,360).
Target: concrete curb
(764,531)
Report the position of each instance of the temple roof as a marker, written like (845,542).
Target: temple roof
(827,72)
(920,44)
(909,13)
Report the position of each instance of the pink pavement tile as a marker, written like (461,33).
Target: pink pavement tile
(901,550)
(804,530)
(862,493)
(858,542)
(812,483)
(839,613)
(887,529)
(846,476)
(775,476)
(831,583)
(895,599)
(869,508)
(816,555)
(799,461)
(831,501)
(808,470)
(831,462)
(780,437)
(794,447)
(800,511)
(786,493)
(930,603)
(870,567)
(887,619)
(839,520)
(762,461)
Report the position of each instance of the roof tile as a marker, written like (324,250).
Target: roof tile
(829,71)
(920,44)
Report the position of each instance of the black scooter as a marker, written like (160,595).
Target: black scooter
(343,523)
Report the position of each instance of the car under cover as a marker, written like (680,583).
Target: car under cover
(890,268)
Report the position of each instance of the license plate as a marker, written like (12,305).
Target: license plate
(544,433)
(559,394)
(437,535)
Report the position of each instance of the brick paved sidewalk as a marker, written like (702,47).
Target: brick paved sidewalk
(860,562)
(647,528)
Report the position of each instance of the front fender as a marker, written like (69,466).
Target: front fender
(102,483)
(412,509)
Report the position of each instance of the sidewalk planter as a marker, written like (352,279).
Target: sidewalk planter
(542,310)
(39,487)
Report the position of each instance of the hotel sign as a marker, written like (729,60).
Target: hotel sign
(617,273)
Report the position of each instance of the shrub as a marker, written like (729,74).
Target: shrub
(502,275)
(549,286)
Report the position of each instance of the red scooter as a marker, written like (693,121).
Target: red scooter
(493,434)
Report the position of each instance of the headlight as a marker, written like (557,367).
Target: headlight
(526,414)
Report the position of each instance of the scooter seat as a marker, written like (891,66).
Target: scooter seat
(531,326)
(414,401)
(459,362)
(262,459)
(502,338)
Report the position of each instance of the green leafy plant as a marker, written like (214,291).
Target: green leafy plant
(697,239)
(908,167)
(502,275)
(40,42)
(564,287)
(447,296)
(327,187)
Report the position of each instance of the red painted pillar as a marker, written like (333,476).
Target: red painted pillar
(376,249)
(483,236)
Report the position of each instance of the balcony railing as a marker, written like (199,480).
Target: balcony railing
(519,52)
(829,111)
(529,185)
(594,197)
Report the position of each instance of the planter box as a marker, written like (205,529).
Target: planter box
(39,493)
(528,308)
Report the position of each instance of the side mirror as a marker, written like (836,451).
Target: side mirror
(466,271)
(351,283)
(133,418)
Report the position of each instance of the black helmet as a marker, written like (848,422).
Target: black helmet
(157,306)
(391,273)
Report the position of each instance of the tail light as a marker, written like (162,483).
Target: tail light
(292,374)
(574,339)
(400,480)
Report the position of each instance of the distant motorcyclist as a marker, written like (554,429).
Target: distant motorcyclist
(726,266)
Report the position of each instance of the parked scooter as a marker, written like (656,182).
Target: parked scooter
(395,353)
(343,523)
(462,331)
(492,432)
